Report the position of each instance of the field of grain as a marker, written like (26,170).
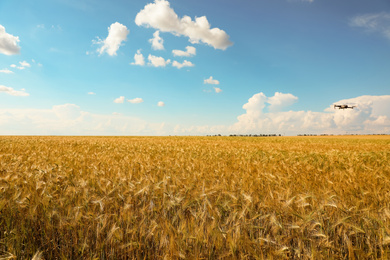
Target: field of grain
(195,197)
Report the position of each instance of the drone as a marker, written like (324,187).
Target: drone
(343,106)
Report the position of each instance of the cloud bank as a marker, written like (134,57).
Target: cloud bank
(159,15)
(267,115)
(370,116)
(69,119)
(263,115)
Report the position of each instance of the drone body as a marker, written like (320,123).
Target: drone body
(343,106)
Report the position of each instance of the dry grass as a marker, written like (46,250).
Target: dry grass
(194,197)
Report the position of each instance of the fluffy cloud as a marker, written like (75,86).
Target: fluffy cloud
(12,92)
(8,43)
(378,22)
(190,51)
(119,100)
(161,16)
(211,81)
(217,90)
(158,61)
(157,42)
(6,71)
(69,119)
(280,100)
(135,100)
(181,65)
(161,104)
(117,33)
(138,59)
(91,93)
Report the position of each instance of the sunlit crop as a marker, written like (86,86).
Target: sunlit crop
(195,197)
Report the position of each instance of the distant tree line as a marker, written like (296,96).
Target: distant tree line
(272,135)
(250,135)
(334,134)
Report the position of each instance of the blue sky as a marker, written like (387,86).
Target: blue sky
(185,67)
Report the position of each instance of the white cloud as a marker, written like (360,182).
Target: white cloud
(119,100)
(190,51)
(181,65)
(117,33)
(91,93)
(8,43)
(158,61)
(6,71)
(217,90)
(161,16)
(161,104)
(138,59)
(211,81)
(255,119)
(135,100)
(70,119)
(157,42)
(280,100)
(25,64)
(377,22)
(255,105)
(12,92)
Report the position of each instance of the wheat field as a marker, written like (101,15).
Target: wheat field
(195,197)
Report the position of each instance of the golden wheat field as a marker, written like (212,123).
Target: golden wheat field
(195,197)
